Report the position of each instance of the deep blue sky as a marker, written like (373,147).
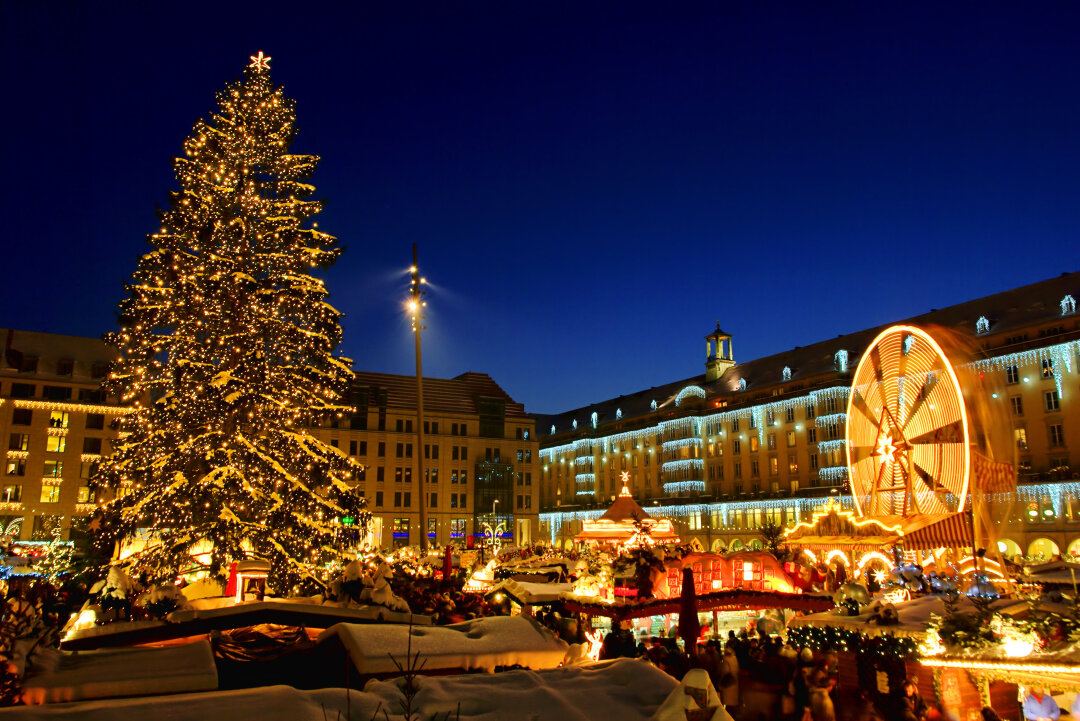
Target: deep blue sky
(592,185)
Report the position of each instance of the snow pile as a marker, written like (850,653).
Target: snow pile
(623,689)
(356,586)
(483,643)
(123,672)
(696,693)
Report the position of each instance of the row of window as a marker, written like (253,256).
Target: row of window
(57,419)
(13,493)
(431,451)
(1051,403)
(53,444)
(57,393)
(64,366)
(1055,435)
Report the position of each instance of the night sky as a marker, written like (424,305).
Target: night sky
(592,186)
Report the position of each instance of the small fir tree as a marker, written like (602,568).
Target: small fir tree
(226,348)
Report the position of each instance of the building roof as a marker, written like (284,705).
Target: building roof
(1009,314)
(460,394)
(50,349)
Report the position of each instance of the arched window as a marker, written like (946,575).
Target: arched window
(840,360)
(982,325)
(742,384)
(1068,305)
(786,373)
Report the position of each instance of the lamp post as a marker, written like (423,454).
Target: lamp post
(416,310)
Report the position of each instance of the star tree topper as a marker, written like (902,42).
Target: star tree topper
(260,62)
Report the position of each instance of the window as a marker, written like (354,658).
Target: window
(754,444)
(91,445)
(528,479)
(792,463)
(56,393)
(28,364)
(50,494)
(382,449)
(453,500)
(378,498)
(463,476)
(11,493)
(454,450)
(813,462)
(1048,368)
(1012,375)
(737,446)
(401,525)
(735,426)
(16,467)
(380,474)
(53,469)
(1057,435)
(830,405)
(19,442)
(88,395)
(397,499)
(95,421)
(528,455)
(1017,404)
(352,448)
(811,435)
(399,425)
(335,443)
(434,500)
(400,452)
(790,416)
(462,502)
(1020,435)
(56,444)
(408,450)
(21,416)
(85,494)
(86,469)
(98,369)
(770,417)
(774,466)
(407,502)
(753,422)
(457,527)
(809,411)
(398,475)
(755,469)
(58,419)
(982,325)
(23,390)
(772,441)
(1051,401)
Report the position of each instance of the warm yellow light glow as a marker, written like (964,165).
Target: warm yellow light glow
(975,665)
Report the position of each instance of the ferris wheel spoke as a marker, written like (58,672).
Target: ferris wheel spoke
(858,402)
(943,434)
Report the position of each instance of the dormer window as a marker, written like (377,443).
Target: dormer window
(840,360)
(907,343)
(593,418)
(575,424)
(982,325)
(786,373)
(618,414)
(742,384)
(1068,305)
(653,405)
(552,429)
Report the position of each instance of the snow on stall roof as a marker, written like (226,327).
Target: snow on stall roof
(914,617)
(483,643)
(313,605)
(529,592)
(629,690)
(123,672)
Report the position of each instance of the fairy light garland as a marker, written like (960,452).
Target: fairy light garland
(228,330)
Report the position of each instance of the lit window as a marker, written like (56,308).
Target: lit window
(56,444)
(58,419)
(50,494)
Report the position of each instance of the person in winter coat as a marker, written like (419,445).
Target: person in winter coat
(729,680)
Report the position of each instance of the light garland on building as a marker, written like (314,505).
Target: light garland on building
(682,443)
(830,419)
(833,473)
(682,486)
(829,446)
(72,407)
(689,392)
(684,464)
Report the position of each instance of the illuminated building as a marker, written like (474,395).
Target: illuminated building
(479,444)
(723,452)
(54,424)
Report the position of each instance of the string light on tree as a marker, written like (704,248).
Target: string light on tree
(226,346)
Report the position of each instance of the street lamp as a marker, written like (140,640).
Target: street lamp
(416,311)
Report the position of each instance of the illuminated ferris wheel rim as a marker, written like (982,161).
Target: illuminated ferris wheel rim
(954,381)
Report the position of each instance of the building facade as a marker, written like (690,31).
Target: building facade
(480,449)
(743,444)
(55,424)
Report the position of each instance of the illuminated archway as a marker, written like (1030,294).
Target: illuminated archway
(907,436)
(736,545)
(1043,549)
(718,545)
(837,555)
(1011,548)
(1074,547)
(755,544)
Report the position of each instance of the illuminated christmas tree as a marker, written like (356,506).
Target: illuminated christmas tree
(227,358)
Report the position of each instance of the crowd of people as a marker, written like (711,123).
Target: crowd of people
(759,676)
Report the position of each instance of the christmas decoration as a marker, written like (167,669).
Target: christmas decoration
(226,346)
(56,559)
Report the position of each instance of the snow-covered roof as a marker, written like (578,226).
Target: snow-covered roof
(629,690)
(483,643)
(528,592)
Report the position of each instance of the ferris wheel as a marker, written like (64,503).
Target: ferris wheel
(908,440)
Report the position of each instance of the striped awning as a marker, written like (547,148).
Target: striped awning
(930,532)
